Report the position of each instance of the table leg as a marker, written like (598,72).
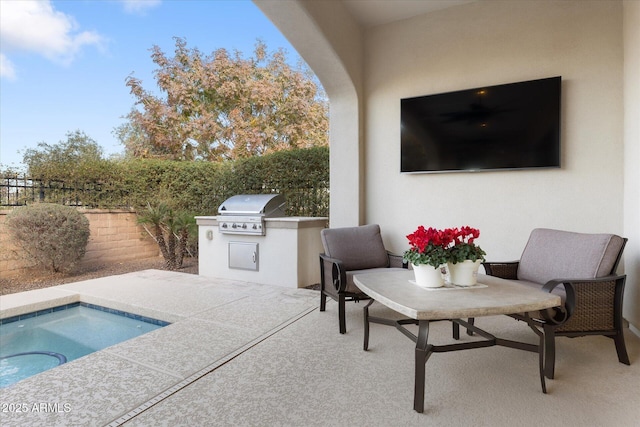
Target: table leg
(366,325)
(422,354)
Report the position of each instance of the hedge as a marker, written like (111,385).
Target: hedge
(301,176)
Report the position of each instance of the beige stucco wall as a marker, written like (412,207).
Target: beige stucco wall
(115,237)
(632,160)
(330,41)
(287,255)
(490,43)
(484,43)
(597,188)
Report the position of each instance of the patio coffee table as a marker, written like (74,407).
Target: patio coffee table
(492,296)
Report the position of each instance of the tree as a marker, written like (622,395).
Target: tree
(223,106)
(73,159)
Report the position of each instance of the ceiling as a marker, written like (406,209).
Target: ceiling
(370,13)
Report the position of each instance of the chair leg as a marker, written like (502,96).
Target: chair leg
(323,301)
(621,348)
(341,314)
(549,352)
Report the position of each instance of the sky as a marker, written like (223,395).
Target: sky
(63,63)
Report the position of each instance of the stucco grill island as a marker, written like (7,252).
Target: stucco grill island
(252,239)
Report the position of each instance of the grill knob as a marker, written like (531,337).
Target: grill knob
(244,225)
(255,227)
(225,225)
(234,225)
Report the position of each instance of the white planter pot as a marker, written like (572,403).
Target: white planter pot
(428,276)
(464,273)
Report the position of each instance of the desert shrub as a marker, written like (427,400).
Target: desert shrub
(52,236)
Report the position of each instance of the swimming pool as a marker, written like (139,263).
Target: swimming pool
(35,342)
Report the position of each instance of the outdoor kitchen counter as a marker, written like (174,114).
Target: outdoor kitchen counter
(287,255)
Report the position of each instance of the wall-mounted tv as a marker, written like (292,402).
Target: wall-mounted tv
(508,126)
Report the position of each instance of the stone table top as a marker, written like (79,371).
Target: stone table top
(498,296)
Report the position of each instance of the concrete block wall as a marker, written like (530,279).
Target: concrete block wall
(115,237)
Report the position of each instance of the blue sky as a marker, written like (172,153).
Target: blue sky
(63,64)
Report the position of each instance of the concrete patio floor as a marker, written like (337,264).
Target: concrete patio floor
(241,353)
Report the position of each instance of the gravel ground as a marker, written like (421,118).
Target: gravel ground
(30,279)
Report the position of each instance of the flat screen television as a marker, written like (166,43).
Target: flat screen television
(508,126)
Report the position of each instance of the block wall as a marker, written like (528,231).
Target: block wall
(115,237)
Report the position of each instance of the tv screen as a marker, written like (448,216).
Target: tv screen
(509,126)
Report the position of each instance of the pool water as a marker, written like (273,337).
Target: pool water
(31,345)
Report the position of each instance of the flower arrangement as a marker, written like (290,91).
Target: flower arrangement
(428,247)
(463,247)
(437,247)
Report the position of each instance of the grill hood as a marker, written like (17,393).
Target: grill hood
(264,205)
(246,213)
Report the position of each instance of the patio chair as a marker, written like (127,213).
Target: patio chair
(581,268)
(349,251)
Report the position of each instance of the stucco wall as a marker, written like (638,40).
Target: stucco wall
(489,43)
(632,159)
(115,237)
(330,41)
(484,43)
(287,255)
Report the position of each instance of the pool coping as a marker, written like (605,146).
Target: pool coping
(22,303)
(55,309)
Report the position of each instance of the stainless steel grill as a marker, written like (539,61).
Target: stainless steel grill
(245,213)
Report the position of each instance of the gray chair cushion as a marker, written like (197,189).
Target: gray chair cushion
(555,254)
(358,248)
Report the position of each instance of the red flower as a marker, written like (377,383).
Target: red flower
(466,234)
(421,239)
(435,247)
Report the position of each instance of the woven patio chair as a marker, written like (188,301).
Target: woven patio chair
(349,251)
(581,269)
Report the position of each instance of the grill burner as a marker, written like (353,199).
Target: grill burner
(245,213)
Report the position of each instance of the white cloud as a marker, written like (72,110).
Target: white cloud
(7,70)
(34,26)
(139,6)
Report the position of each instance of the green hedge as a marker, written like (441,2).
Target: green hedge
(301,176)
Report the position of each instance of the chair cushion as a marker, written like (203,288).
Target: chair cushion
(358,248)
(555,254)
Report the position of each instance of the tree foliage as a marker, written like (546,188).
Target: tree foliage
(78,158)
(222,106)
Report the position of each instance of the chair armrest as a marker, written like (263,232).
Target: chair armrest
(504,270)
(591,304)
(397,261)
(335,269)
